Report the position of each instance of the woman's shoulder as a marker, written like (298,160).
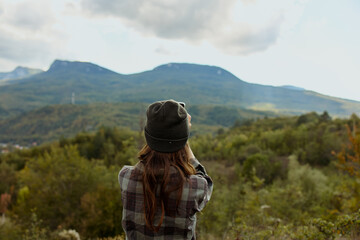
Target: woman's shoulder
(125,170)
(129,173)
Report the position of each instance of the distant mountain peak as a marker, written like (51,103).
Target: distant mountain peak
(85,67)
(198,69)
(20,68)
(19,72)
(59,63)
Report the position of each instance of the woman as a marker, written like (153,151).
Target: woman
(162,193)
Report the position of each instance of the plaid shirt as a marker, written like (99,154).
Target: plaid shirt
(196,193)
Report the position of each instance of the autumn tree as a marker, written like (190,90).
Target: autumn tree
(349,157)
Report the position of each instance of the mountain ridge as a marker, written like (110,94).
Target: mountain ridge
(192,83)
(293,87)
(88,67)
(194,67)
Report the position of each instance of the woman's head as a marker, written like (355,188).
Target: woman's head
(167,126)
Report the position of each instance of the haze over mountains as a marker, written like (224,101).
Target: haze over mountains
(17,73)
(192,83)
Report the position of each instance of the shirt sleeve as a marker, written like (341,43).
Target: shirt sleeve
(123,177)
(205,186)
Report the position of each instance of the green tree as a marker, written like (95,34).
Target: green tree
(8,177)
(58,184)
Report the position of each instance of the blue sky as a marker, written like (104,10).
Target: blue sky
(312,44)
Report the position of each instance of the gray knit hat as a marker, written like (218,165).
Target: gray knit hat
(167,126)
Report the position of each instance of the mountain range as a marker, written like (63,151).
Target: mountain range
(83,83)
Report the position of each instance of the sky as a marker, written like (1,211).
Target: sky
(313,44)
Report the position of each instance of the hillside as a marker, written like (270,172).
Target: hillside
(274,178)
(194,84)
(51,122)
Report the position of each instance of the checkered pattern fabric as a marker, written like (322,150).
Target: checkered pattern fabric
(178,224)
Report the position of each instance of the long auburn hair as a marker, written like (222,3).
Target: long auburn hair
(157,175)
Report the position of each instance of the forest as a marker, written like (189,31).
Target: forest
(294,177)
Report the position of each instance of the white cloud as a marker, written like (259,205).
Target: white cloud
(27,33)
(171,19)
(48,29)
(213,21)
(245,40)
(1,9)
(32,16)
